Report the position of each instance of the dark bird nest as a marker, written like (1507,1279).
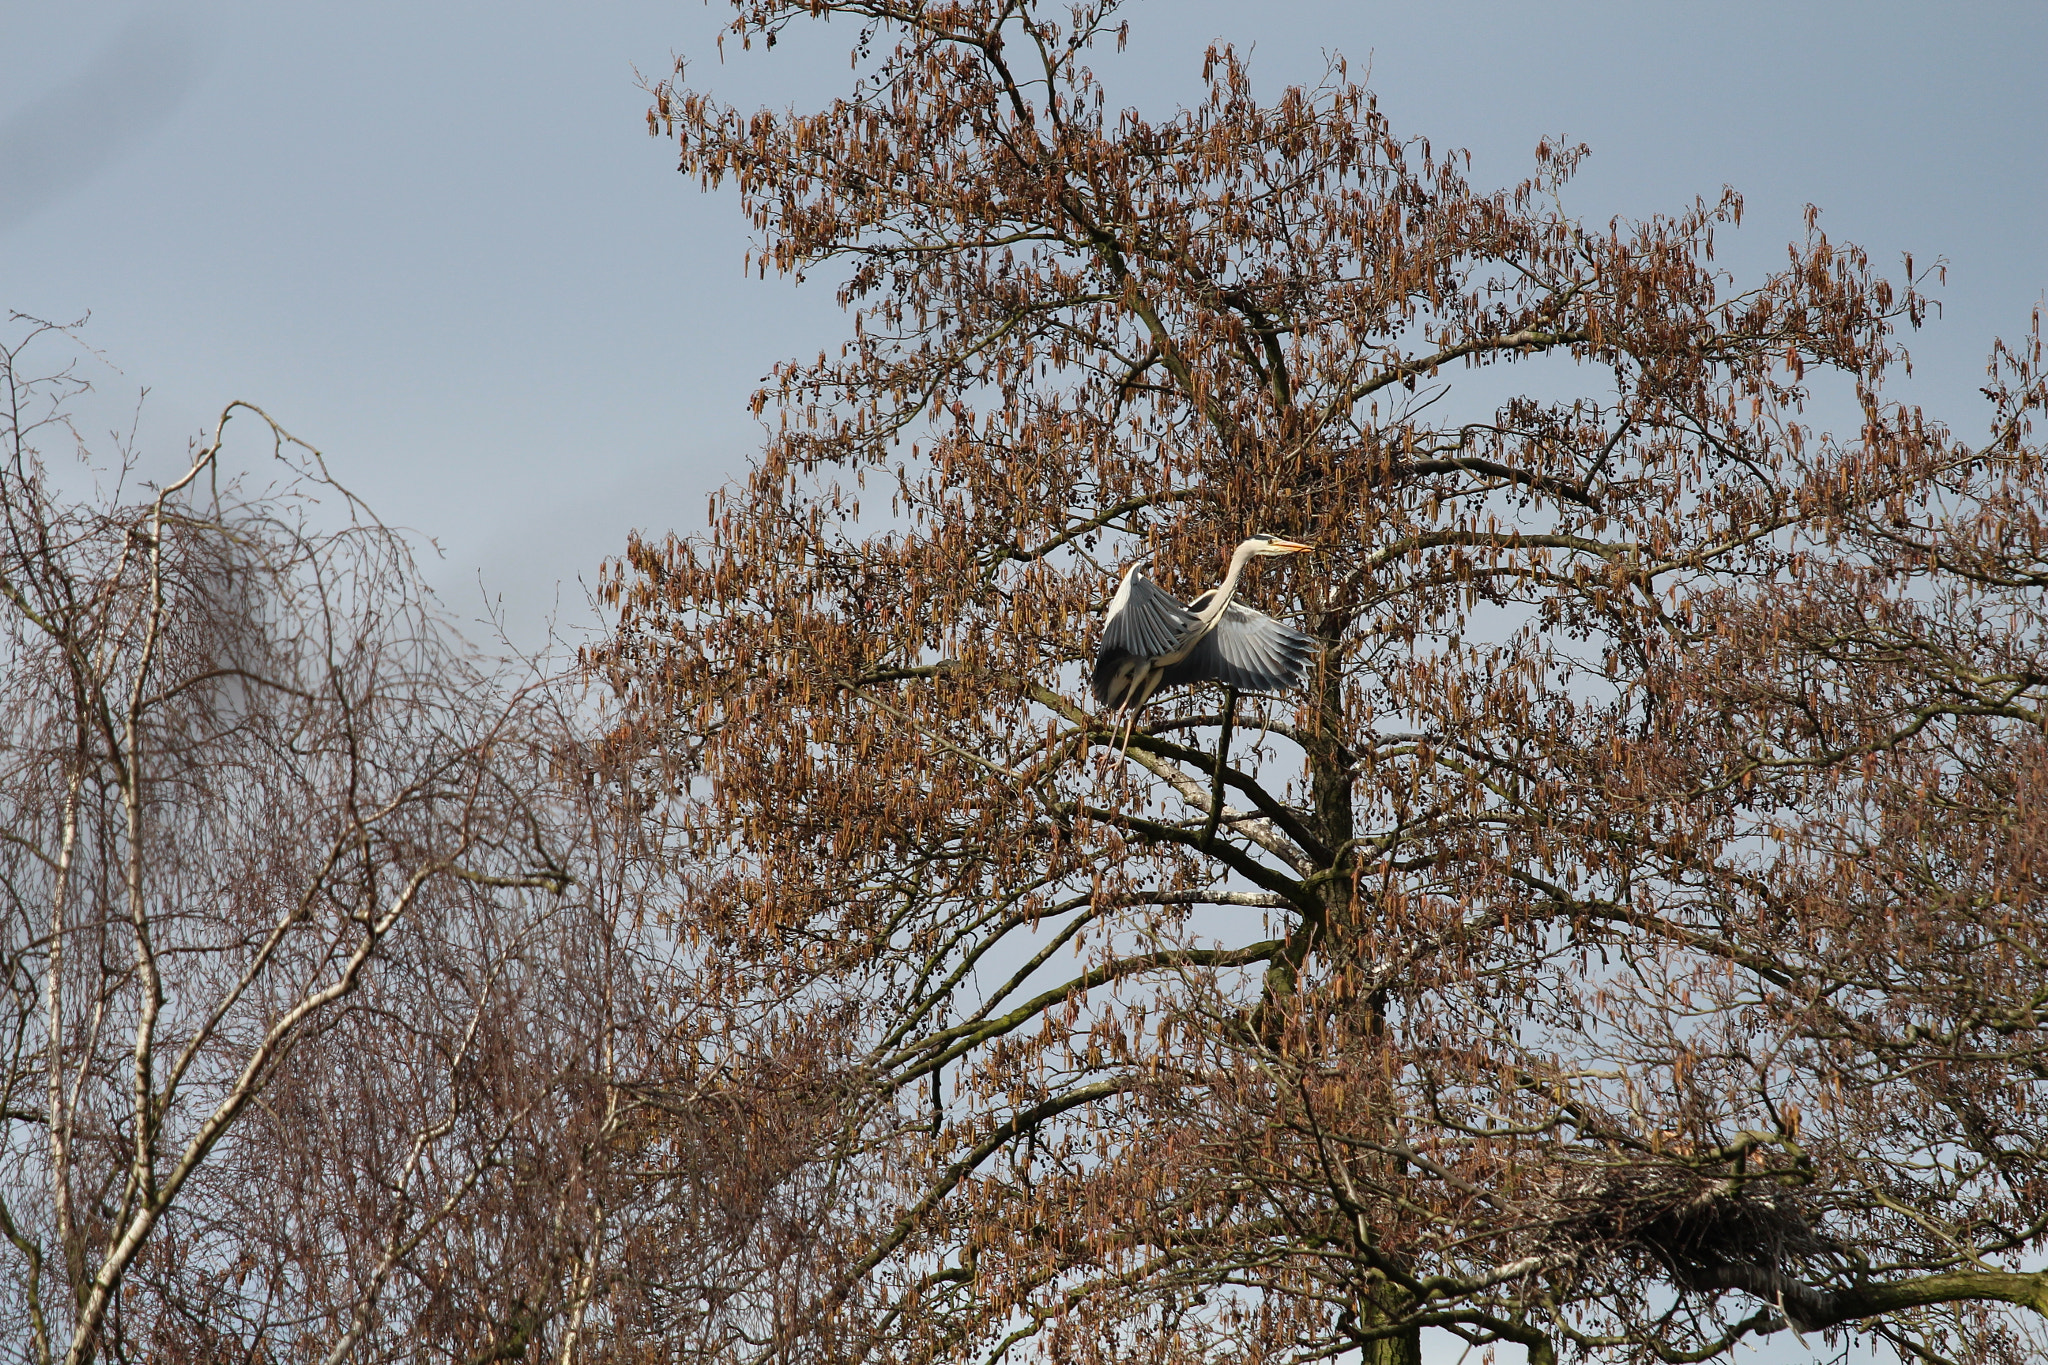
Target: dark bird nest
(1694,1224)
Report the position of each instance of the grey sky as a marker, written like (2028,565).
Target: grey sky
(436,241)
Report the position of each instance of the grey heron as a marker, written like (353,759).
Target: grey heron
(1150,641)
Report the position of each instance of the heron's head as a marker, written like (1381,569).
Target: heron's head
(1262,545)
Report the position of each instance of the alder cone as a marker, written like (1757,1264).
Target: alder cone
(1629,944)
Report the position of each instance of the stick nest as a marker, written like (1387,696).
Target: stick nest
(1691,1222)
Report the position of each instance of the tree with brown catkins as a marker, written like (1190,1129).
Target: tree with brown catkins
(1632,941)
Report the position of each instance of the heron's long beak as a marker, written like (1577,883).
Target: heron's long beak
(1295,547)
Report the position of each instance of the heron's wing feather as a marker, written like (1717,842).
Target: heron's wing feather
(1248,650)
(1148,620)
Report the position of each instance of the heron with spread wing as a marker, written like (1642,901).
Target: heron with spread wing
(1150,641)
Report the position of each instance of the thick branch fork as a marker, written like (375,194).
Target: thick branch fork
(1811,1310)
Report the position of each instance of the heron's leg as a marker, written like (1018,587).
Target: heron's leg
(1142,688)
(1116,720)
(1222,758)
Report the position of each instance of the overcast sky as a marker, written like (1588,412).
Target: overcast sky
(437,242)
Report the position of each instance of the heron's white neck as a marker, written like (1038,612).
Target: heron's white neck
(1220,599)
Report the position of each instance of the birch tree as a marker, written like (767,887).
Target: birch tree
(290,924)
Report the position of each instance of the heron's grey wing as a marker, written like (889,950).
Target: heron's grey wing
(1248,650)
(1147,622)
(1144,622)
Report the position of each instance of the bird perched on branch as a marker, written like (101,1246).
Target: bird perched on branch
(1150,641)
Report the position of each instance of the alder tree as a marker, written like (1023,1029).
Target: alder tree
(1631,943)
